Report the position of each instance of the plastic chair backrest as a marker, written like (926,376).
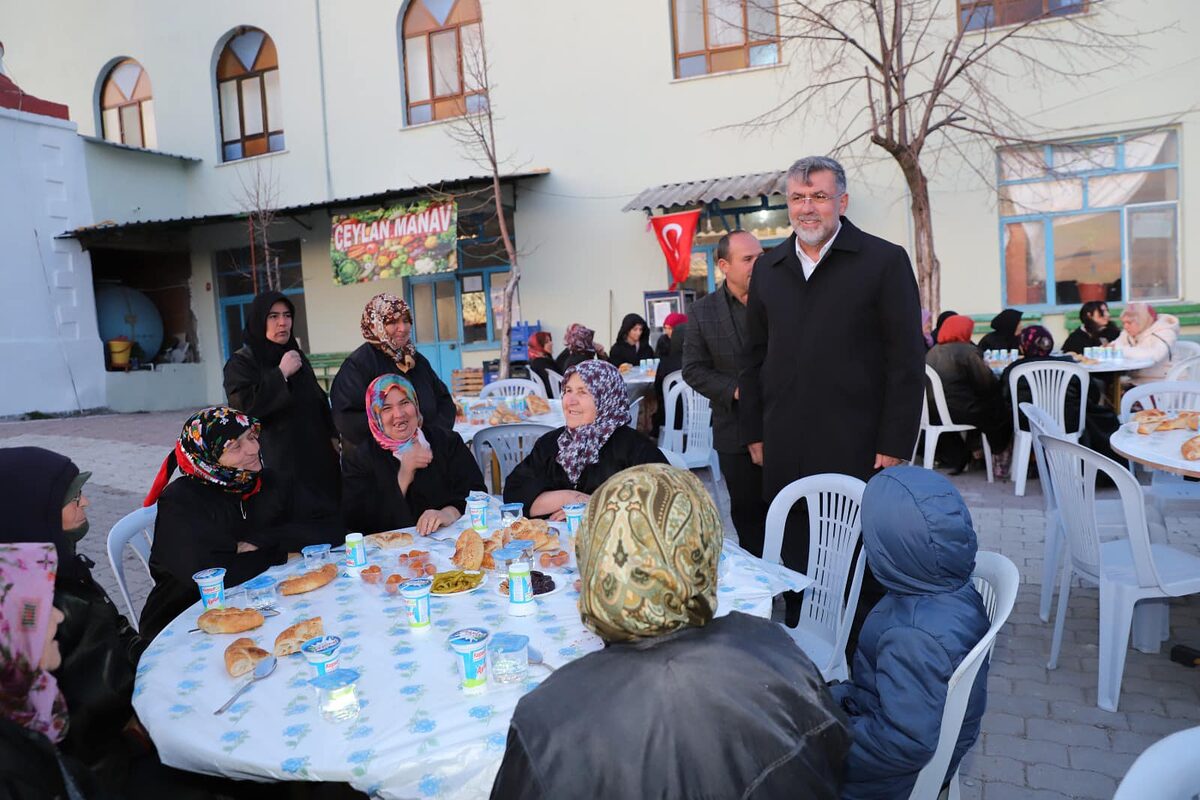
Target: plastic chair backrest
(996,579)
(513,387)
(1166,770)
(1041,423)
(934,385)
(1184,350)
(835,527)
(635,408)
(1167,395)
(697,420)
(555,386)
(671,379)
(1048,382)
(135,529)
(1186,370)
(673,458)
(1074,469)
(509,443)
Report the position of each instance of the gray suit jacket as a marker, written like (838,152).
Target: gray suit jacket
(712,360)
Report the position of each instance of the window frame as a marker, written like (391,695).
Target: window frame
(1046,218)
(434,98)
(709,50)
(1047,14)
(108,78)
(250,74)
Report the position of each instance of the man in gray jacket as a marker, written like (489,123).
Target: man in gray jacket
(712,361)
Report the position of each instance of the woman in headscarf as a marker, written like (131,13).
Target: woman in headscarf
(387,328)
(580,345)
(1148,335)
(1096,329)
(662,348)
(569,463)
(541,357)
(1004,332)
(226,511)
(407,474)
(633,342)
(647,554)
(270,379)
(942,317)
(972,393)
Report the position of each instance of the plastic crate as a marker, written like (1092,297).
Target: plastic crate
(516,369)
(519,345)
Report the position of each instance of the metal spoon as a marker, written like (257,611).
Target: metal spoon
(535,658)
(264,668)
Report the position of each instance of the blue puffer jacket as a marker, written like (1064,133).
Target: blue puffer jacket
(920,544)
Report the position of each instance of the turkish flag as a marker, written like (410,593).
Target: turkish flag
(674,233)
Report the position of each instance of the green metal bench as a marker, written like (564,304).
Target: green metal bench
(1188,313)
(983,322)
(326,366)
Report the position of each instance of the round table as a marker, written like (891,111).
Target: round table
(1111,365)
(467,430)
(1155,450)
(639,381)
(417,734)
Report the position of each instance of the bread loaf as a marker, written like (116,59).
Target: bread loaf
(1148,414)
(536,404)
(242,656)
(390,539)
(1191,449)
(309,580)
(229,620)
(290,640)
(468,550)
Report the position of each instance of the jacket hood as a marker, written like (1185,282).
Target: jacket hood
(627,325)
(1006,321)
(33,488)
(917,532)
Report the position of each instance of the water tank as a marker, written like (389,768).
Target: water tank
(121,311)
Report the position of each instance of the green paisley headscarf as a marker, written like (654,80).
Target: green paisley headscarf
(647,554)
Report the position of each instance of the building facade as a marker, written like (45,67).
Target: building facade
(336,108)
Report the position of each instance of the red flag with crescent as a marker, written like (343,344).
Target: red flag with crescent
(674,233)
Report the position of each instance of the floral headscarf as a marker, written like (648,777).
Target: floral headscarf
(647,554)
(580,447)
(29,695)
(579,339)
(381,310)
(204,438)
(1036,341)
(376,393)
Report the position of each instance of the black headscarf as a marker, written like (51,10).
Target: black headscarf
(1005,323)
(33,489)
(266,352)
(627,325)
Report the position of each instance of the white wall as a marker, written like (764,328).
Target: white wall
(49,344)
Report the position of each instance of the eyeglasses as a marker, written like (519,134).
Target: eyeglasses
(818,199)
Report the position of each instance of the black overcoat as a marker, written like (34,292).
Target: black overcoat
(835,365)
(349,392)
(713,357)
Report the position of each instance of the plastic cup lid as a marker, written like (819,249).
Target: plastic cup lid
(509,553)
(314,548)
(526,543)
(335,680)
(215,573)
(416,587)
(261,582)
(468,636)
(569,507)
(321,644)
(508,642)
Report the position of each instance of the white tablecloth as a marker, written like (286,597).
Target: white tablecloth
(638,382)
(1109,365)
(467,430)
(1155,450)
(418,735)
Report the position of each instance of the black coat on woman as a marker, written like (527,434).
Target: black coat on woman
(349,391)
(567,359)
(1082,337)
(371,496)
(540,471)
(622,351)
(972,392)
(538,366)
(297,426)
(199,526)
(1004,332)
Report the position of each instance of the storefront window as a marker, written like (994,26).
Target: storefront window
(482,305)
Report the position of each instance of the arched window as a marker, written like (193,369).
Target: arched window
(723,35)
(442,48)
(248,91)
(127,106)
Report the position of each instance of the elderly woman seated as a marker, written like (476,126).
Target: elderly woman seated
(569,463)
(406,474)
(690,705)
(1148,335)
(581,346)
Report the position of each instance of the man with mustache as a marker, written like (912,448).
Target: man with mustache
(834,375)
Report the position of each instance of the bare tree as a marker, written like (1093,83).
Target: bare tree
(475,132)
(259,198)
(909,78)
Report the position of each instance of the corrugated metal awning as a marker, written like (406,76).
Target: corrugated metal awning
(738,187)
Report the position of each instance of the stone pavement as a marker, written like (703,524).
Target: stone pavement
(1043,736)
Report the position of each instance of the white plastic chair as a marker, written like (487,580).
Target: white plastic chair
(555,384)
(1186,370)
(1128,569)
(996,579)
(694,439)
(674,459)
(1048,382)
(135,529)
(1183,350)
(834,530)
(635,408)
(510,444)
(513,387)
(1166,770)
(933,432)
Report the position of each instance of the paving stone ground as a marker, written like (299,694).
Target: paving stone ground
(1043,736)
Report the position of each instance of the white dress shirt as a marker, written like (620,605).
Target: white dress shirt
(810,265)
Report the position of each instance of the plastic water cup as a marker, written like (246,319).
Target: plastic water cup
(322,653)
(470,645)
(356,550)
(508,657)
(511,512)
(477,509)
(212,587)
(337,695)
(315,556)
(574,512)
(260,592)
(416,602)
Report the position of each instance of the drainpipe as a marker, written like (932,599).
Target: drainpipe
(324,114)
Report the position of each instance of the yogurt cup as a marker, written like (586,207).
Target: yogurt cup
(416,602)
(356,550)
(574,512)
(477,510)
(470,644)
(212,587)
(315,556)
(322,653)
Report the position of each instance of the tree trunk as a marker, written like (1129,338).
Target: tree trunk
(514,275)
(929,277)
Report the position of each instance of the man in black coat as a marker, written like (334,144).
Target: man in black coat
(834,378)
(713,357)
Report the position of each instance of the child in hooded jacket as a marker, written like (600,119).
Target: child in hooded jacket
(920,544)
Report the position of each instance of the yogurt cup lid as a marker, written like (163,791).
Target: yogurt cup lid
(211,574)
(523,543)
(321,644)
(468,636)
(261,582)
(508,642)
(574,507)
(314,548)
(335,680)
(416,587)
(509,553)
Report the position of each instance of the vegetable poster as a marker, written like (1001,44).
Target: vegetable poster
(415,239)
